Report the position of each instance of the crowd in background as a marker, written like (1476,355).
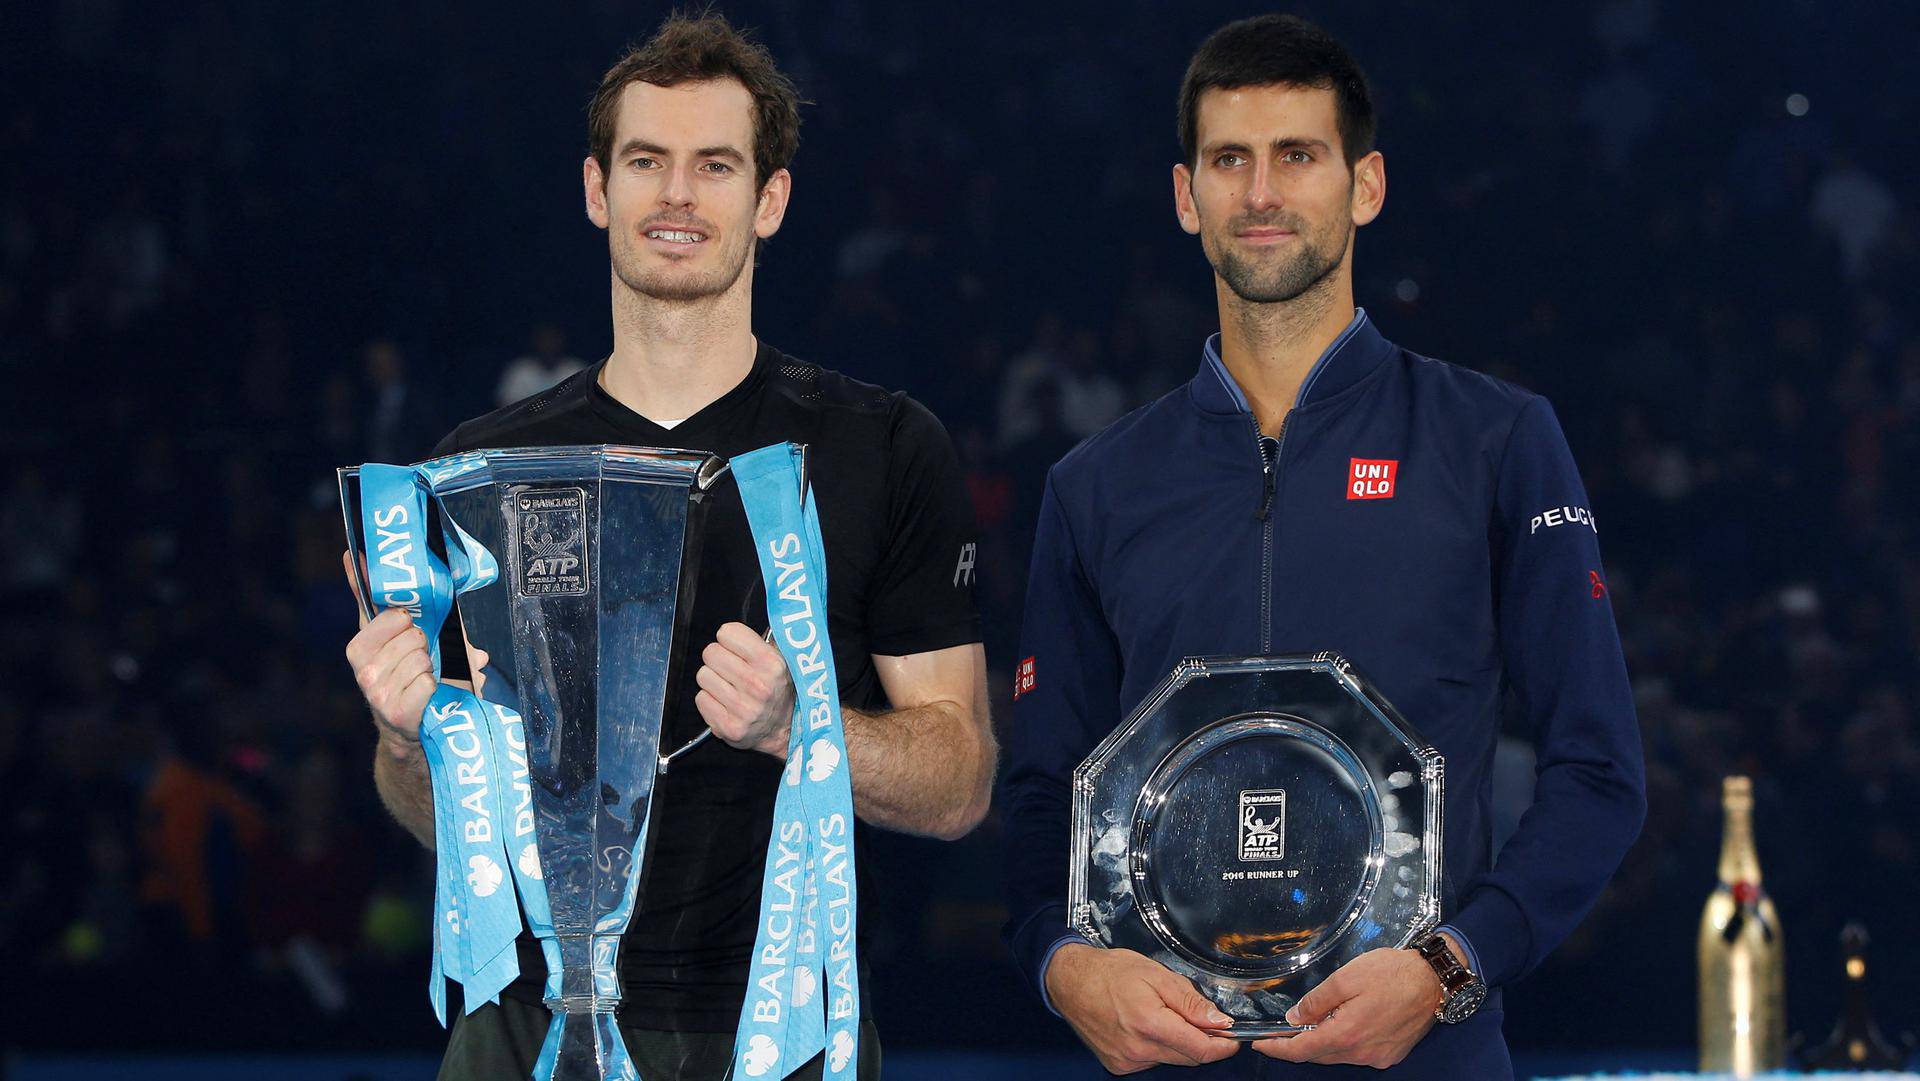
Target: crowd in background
(242,245)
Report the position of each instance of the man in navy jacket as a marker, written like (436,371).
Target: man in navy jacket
(1318,487)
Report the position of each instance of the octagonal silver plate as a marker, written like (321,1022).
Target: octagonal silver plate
(1255,824)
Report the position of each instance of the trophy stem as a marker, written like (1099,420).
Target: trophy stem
(583,1043)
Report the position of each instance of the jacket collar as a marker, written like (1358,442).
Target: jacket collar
(1357,351)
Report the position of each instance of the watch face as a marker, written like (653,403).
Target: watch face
(1464,1002)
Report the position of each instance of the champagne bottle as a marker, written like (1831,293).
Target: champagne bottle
(1856,1042)
(1743,1027)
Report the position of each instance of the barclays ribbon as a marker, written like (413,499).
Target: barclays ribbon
(803,990)
(473,567)
(509,780)
(516,816)
(475,917)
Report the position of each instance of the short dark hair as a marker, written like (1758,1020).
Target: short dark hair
(695,48)
(1278,49)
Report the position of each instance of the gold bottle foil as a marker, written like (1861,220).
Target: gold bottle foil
(1742,957)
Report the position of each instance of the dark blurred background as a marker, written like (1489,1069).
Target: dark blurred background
(243,243)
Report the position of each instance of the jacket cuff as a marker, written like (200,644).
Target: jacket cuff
(1033,944)
(1466,947)
(1501,937)
(1069,939)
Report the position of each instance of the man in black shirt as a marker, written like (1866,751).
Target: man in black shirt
(690,137)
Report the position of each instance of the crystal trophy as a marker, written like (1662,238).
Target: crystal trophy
(597,549)
(1255,824)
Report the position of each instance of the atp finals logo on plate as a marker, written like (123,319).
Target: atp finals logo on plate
(1263,824)
(550,542)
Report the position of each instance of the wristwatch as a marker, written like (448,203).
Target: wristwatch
(1465,990)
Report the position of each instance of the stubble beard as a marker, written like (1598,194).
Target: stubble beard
(1285,279)
(670,285)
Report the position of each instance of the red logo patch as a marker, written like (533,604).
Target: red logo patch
(1023,678)
(1371,478)
(1599,587)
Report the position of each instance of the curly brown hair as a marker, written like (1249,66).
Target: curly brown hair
(694,48)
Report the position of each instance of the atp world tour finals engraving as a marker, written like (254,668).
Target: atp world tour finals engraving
(1255,824)
(551,544)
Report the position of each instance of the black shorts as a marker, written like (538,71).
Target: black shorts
(501,1042)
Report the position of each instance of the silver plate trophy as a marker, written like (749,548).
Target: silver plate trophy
(1255,824)
(597,549)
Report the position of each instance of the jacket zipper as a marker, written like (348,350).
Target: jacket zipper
(1269,466)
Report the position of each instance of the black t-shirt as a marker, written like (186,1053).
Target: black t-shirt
(899,533)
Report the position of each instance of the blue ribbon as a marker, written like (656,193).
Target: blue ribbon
(472,567)
(468,743)
(803,988)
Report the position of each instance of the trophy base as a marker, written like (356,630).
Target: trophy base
(1262,1030)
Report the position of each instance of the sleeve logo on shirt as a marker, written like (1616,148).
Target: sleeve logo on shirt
(963,571)
(1555,516)
(1023,678)
(1371,478)
(1599,587)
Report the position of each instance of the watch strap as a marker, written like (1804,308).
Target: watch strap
(1454,976)
(1464,991)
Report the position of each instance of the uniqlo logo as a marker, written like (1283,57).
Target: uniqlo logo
(1371,478)
(1023,678)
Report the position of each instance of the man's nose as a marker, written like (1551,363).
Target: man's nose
(1261,192)
(677,189)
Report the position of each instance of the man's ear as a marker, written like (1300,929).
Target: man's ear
(594,181)
(1183,208)
(772,209)
(1369,188)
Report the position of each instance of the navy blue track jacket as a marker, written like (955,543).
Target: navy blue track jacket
(1425,521)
